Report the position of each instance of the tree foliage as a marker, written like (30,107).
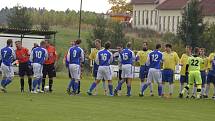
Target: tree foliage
(191,28)
(19,18)
(120,6)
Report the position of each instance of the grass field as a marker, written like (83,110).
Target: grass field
(58,106)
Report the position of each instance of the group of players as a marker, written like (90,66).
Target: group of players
(38,62)
(197,70)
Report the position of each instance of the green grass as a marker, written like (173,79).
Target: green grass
(58,106)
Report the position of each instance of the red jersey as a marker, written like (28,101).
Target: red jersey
(22,55)
(52,55)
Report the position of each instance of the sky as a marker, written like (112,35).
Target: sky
(99,6)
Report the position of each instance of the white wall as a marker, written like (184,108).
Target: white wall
(26,42)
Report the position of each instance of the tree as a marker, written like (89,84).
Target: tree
(19,18)
(191,28)
(120,6)
(208,38)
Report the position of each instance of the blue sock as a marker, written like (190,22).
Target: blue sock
(71,84)
(39,83)
(110,86)
(7,82)
(144,88)
(3,83)
(128,90)
(93,86)
(35,82)
(159,89)
(119,85)
(75,86)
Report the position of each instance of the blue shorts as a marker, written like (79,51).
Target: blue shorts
(167,75)
(184,79)
(95,70)
(203,76)
(143,72)
(211,77)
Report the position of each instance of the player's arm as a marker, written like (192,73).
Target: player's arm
(97,59)
(133,57)
(176,58)
(82,56)
(68,56)
(148,61)
(46,55)
(138,57)
(31,56)
(111,58)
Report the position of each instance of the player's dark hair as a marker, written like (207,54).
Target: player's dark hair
(119,45)
(18,41)
(158,46)
(196,50)
(9,42)
(47,41)
(78,41)
(42,43)
(168,46)
(128,45)
(188,46)
(107,45)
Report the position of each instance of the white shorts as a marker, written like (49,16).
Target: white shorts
(154,75)
(127,71)
(75,71)
(38,70)
(7,71)
(104,72)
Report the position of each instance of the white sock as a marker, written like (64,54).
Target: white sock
(141,86)
(203,90)
(104,85)
(171,87)
(207,89)
(194,90)
(181,87)
(163,88)
(151,88)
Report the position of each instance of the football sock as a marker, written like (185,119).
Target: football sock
(79,86)
(7,82)
(181,87)
(3,83)
(194,90)
(71,84)
(50,84)
(43,83)
(22,84)
(144,88)
(198,91)
(104,85)
(151,88)
(93,86)
(75,86)
(30,83)
(39,83)
(160,89)
(163,90)
(186,89)
(171,87)
(207,89)
(119,85)
(110,86)
(141,85)
(128,90)
(35,82)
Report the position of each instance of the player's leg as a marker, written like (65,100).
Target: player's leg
(95,71)
(29,74)
(203,76)
(171,84)
(45,72)
(36,76)
(21,75)
(187,87)
(209,80)
(119,85)
(157,77)
(51,75)
(148,82)
(194,91)
(198,80)
(120,79)
(141,76)
(164,79)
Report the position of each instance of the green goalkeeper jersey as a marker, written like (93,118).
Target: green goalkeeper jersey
(194,63)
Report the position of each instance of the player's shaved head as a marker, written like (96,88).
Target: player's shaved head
(107,45)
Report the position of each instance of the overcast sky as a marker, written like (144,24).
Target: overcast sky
(100,6)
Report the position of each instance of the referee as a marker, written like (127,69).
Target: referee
(22,55)
(49,66)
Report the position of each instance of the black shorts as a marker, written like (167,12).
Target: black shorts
(49,69)
(25,69)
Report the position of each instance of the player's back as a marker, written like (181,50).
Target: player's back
(127,56)
(155,58)
(39,55)
(194,63)
(75,55)
(104,57)
(7,54)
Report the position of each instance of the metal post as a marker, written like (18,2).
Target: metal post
(79,29)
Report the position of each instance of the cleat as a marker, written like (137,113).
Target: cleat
(141,94)
(187,97)
(111,95)
(105,92)
(152,95)
(40,91)
(72,94)
(128,95)
(180,95)
(3,89)
(198,97)
(34,92)
(193,97)
(205,96)
(213,97)
(115,93)
(89,93)
(68,91)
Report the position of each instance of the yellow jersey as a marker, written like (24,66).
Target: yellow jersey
(142,56)
(93,54)
(183,63)
(210,58)
(204,64)
(170,60)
